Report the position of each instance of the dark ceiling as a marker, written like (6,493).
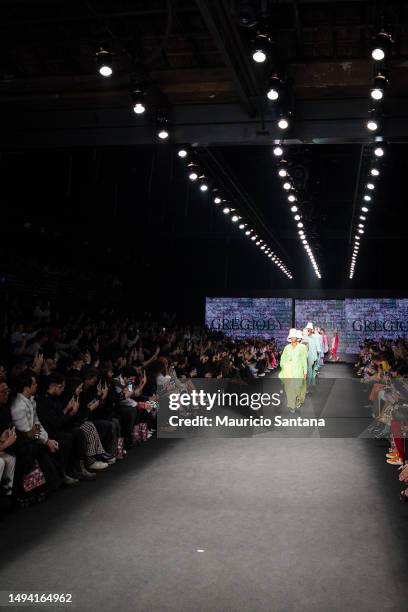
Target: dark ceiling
(91,184)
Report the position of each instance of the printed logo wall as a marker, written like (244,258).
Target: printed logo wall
(249,317)
(329,314)
(386,318)
(354,320)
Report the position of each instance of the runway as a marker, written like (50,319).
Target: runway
(222,524)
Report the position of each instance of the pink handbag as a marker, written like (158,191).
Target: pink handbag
(119,449)
(34,479)
(139,433)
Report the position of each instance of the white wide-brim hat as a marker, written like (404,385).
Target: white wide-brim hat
(299,334)
(292,333)
(309,325)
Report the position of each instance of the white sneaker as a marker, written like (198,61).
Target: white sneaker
(97,465)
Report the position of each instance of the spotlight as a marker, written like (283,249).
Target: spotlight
(381,46)
(258,243)
(283,123)
(361,231)
(361,225)
(217,200)
(272,94)
(241,225)
(363,218)
(259,56)
(278,151)
(370,186)
(203,187)
(282,172)
(234,218)
(374,172)
(294,209)
(300,224)
(297,217)
(182,153)
(378,54)
(364,209)
(261,48)
(253,237)
(162,126)
(226,210)
(139,108)
(367,198)
(380,83)
(138,95)
(287,186)
(292,198)
(275,85)
(372,125)
(378,151)
(193,176)
(247,232)
(104,63)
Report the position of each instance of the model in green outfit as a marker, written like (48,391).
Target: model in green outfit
(293,372)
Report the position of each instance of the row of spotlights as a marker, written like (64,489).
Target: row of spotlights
(234,216)
(288,187)
(379,52)
(364,210)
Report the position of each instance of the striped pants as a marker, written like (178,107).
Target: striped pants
(93,441)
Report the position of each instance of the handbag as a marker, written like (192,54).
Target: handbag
(34,479)
(119,448)
(139,433)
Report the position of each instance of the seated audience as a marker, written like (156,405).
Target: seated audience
(83,383)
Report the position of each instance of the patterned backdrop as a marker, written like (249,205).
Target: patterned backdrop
(248,317)
(354,320)
(370,318)
(328,314)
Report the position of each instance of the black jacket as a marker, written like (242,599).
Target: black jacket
(51,414)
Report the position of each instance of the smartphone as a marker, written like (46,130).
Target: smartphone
(130,387)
